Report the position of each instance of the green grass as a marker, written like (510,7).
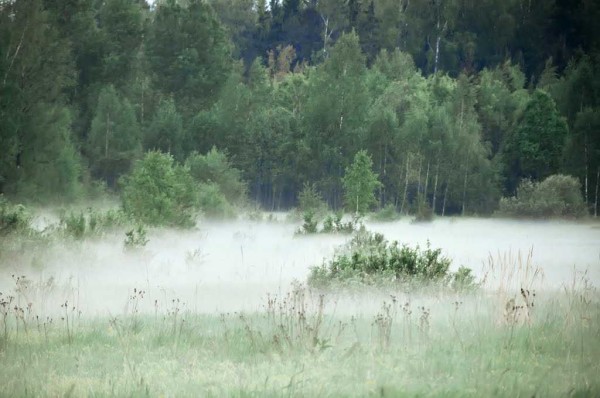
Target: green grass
(300,346)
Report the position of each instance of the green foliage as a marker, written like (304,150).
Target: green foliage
(424,212)
(160,192)
(463,280)
(92,223)
(114,140)
(360,183)
(332,224)
(136,238)
(556,196)
(165,132)
(216,169)
(13,218)
(309,199)
(370,259)
(535,149)
(388,213)
(212,202)
(188,53)
(309,225)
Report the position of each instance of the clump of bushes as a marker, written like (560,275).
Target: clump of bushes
(159,191)
(333,224)
(13,218)
(424,212)
(217,177)
(387,213)
(79,225)
(162,192)
(556,196)
(369,259)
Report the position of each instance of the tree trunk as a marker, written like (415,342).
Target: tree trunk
(585,156)
(437,53)
(435,184)
(419,180)
(465,186)
(106,135)
(426,182)
(405,183)
(444,202)
(596,199)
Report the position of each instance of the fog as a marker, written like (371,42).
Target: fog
(232,266)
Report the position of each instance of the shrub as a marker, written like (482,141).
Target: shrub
(388,213)
(332,224)
(424,212)
(370,259)
(215,168)
(309,226)
(557,196)
(160,192)
(309,199)
(81,224)
(213,203)
(136,238)
(13,218)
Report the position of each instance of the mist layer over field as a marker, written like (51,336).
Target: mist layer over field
(232,266)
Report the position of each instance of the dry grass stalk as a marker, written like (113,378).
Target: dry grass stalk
(513,279)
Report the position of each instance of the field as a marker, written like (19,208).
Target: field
(223,310)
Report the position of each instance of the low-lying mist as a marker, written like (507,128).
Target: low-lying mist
(233,266)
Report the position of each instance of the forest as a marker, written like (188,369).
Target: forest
(457,103)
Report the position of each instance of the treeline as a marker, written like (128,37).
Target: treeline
(455,101)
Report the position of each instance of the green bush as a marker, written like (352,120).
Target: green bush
(310,224)
(557,196)
(215,168)
(424,212)
(332,224)
(13,218)
(160,192)
(79,225)
(388,213)
(136,238)
(370,259)
(309,199)
(213,202)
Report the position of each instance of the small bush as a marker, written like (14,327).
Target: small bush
(556,196)
(309,226)
(309,199)
(424,212)
(160,192)
(332,224)
(463,280)
(13,218)
(79,225)
(388,213)
(215,168)
(370,259)
(136,238)
(213,203)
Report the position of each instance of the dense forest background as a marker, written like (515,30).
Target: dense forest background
(456,101)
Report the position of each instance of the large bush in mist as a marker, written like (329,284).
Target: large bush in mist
(159,191)
(557,196)
(369,259)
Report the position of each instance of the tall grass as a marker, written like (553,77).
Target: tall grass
(304,343)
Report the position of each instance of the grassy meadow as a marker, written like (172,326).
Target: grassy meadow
(79,338)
